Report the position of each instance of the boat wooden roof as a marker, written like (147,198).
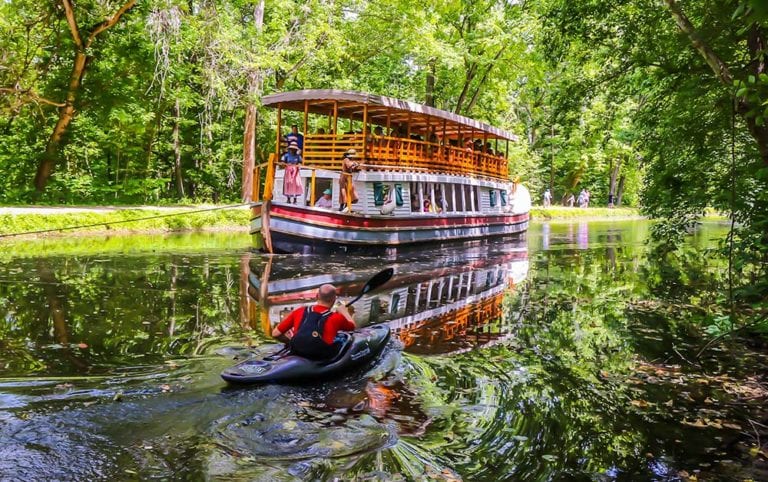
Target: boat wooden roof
(380,108)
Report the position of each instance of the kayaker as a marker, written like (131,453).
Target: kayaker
(312,331)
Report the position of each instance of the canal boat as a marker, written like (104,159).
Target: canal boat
(378,171)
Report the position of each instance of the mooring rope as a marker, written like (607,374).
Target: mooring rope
(122,221)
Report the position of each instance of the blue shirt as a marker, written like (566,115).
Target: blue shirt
(291,158)
(297,138)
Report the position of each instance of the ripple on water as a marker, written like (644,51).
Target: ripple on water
(252,434)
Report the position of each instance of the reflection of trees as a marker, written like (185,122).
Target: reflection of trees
(543,403)
(120,307)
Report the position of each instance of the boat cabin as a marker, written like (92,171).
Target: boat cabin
(391,135)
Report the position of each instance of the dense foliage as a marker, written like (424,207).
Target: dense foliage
(124,101)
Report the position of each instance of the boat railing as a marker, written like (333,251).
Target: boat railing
(325,151)
(262,189)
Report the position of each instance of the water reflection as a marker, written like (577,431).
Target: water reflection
(433,304)
(511,365)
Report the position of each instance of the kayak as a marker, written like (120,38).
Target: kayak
(360,347)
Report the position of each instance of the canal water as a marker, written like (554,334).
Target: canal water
(564,355)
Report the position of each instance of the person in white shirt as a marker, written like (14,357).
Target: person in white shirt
(325,201)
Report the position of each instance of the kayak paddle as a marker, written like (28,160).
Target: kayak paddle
(378,279)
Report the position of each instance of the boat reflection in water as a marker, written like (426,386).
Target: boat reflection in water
(435,304)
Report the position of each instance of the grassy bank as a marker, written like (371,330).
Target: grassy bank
(123,221)
(136,243)
(565,213)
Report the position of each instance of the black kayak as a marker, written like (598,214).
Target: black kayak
(360,347)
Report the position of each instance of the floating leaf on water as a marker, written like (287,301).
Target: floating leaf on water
(669,403)
(639,403)
(549,458)
(698,423)
(732,426)
(82,346)
(289,425)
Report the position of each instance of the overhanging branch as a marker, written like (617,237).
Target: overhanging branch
(31,95)
(713,60)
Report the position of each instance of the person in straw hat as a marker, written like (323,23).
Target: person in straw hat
(348,166)
(292,186)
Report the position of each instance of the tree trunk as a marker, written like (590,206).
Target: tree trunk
(177,150)
(67,111)
(429,88)
(614,174)
(249,151)
(620,191)
(66,114)
(484,78)
(251,117)
(471,70)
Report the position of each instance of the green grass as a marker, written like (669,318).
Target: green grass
(121,221)
(560,212)
(95,244)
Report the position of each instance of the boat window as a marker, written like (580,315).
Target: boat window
(503,197)
(394,306)
(320,186)
(492,196)
(468,191)
(426,196)
(375,310)
(475,198)
(399,194)
(450,204)
(378,193)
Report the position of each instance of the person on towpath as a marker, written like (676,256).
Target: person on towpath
(312,330)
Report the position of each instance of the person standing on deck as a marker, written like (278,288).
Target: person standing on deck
(348,166)
(311,330)
(294,136)
(292,186)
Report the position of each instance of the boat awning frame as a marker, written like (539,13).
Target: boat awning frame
(351,104)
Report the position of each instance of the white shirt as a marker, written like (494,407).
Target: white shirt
(324,202)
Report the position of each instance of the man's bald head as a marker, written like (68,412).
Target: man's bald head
(326,295)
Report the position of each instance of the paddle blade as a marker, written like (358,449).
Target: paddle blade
(379,279)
